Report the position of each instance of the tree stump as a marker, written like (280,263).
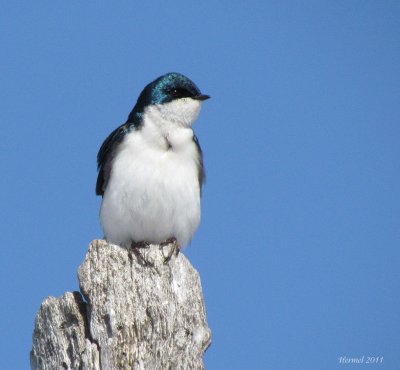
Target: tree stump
(140,309)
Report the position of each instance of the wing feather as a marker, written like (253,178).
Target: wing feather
(201,171)
(106,155)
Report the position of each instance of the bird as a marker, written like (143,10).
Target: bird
(150,168)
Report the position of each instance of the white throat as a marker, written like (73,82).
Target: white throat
(169,125)
(180,112)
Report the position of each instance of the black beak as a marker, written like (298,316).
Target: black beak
(202,97)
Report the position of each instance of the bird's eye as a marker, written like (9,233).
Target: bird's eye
(178,93)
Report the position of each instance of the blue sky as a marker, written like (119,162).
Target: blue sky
(298,249)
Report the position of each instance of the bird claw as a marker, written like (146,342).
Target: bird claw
(175,248)
(168,248)
(135,248)
(141,244)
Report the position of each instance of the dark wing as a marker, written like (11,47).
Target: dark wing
(106,155)
(201,170)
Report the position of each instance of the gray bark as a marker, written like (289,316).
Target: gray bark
(141,312)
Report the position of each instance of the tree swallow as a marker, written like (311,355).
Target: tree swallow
(151,167)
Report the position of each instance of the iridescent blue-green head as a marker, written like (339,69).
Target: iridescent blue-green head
(171,87)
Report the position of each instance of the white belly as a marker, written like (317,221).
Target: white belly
(153,194)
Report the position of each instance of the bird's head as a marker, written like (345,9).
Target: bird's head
(174,97)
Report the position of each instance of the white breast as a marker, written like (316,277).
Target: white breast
(153,192)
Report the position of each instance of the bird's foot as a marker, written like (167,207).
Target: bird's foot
(136,247)
(141,244)
(173,248)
